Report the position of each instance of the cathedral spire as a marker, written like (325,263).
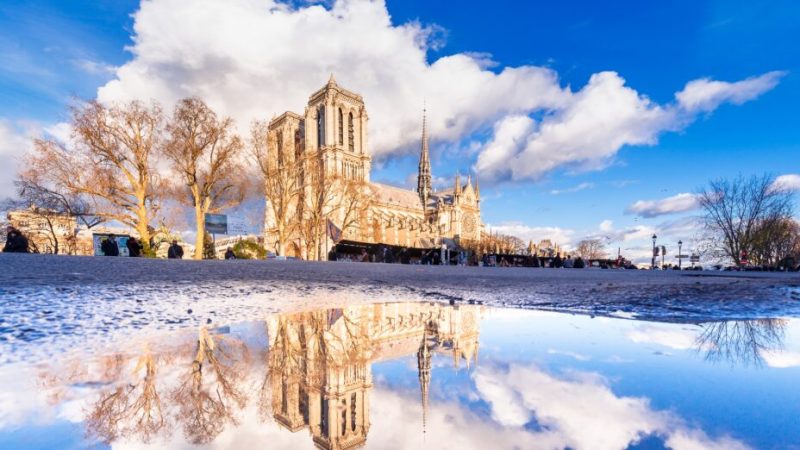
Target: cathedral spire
(457,187)
(424,176)
(424,369)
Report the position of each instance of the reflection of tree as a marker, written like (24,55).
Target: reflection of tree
(130,408)
(209,395)
(741,341)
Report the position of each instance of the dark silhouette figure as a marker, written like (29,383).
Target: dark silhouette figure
(175,251)
(134,247)
(109,246)
(16,242)
(229,254)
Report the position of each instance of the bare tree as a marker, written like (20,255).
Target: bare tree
(741,341)
(775,240)
(591,249)
(355,202)
(210,394)
(736,212)
(204,151)
(321,195)
(131,407)
(111,163)
(282,177)
(53,210)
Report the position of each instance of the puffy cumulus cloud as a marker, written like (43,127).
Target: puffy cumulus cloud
(788,182)
(671,205)
(254,58)
(557,235)
(705,94)
(565,409)
(585,132)
(15,141)
(594,123)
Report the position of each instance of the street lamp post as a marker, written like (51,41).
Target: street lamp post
(680,255)
(653,263)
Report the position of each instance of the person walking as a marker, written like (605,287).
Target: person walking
(229,254)
(175,251)
(134,247)
(557,261)
(16,242)
(109,246)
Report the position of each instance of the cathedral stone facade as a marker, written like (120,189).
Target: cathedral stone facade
(333,131)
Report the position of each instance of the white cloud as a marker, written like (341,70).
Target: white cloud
(606,226)
(788,182)
(15,141)
(585,133)
(255,58)
(705,94)
(667,337)
(781,358)
(566,407)
(671,205)
(578,188)
(557,235)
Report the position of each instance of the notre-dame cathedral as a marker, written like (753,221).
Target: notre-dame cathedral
(333,130)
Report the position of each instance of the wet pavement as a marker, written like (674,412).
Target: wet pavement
(413,375)
(51,304)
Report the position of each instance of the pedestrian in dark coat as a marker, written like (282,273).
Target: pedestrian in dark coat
(109,246)
(16,242)
(175,251)
(557,261)
(229,254)
(134,247)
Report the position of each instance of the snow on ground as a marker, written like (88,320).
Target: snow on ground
(50,304)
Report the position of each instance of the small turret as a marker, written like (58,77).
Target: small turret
(457,189)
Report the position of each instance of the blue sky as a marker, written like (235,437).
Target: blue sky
(52,52)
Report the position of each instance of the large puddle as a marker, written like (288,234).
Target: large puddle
(420,375)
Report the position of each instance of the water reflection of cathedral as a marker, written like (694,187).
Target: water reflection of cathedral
(320,361)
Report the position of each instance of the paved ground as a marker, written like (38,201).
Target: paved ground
(57,301)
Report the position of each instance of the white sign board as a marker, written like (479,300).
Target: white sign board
(237,226)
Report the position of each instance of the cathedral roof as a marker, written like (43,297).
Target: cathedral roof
(393,195)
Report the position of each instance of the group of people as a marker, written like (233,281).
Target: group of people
(556,262)
(110,247)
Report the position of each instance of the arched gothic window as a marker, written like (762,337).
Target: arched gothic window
(341,128)
(350,134)
(321,126)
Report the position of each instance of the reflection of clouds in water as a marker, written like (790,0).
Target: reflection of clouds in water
(742,342)
(781,359)
(666,336)
(581,411)
(571,354)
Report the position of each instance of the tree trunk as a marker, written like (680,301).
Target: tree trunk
(143,227)
(199,241)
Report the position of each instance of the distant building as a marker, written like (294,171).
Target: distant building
(545,248)
(47,231)
(333,131)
